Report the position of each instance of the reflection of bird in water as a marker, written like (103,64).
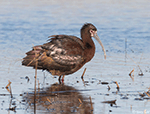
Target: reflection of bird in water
(59,99)
(63,54)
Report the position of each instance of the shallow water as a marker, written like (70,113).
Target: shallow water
(124,28)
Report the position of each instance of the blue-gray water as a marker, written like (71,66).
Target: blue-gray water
(124,28)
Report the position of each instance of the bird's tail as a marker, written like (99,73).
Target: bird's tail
(32,57)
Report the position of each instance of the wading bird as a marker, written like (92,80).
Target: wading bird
(64,54)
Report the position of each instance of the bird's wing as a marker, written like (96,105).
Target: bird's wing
(64,49)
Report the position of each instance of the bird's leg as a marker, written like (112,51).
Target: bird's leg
(63,78)
(59,79)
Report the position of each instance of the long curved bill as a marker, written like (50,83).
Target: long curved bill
(99,41)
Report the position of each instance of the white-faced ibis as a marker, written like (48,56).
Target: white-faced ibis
(64,54)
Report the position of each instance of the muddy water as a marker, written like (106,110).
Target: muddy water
(124,28)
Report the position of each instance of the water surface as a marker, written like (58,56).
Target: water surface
(123,27)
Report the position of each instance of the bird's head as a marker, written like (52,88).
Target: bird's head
(92,30)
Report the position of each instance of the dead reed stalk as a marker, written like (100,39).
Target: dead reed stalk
(83,73)
(91,104)
(141,72)
(8,84)
(147,94)
(8,87)
(132,75)
(117,85)
(48,100)
(110,102)
(131,72)
(80,101)
(36,63)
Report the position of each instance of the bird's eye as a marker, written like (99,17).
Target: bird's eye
(94,29)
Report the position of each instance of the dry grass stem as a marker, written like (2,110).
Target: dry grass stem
(35,83)
(131,72)
(80,105)
(83,81)
(91,103)
(38,85)
(132,77)
(147,94)
(141,73)
(110,102)
(80,101)
(35,57)
(83,73)
(8,90)
(48,100)
(117,85)
(8,84)
(11,92)
(8,87)
(38,88)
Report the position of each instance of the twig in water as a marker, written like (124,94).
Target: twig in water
(8,84)
(80,101)
(13,108)
(117,85)
(36,63)
(11,92)
(83,73)
(147,94)
(132,75)
(131,72)
(8,87)
(91,104)
(110,102)
(140,73)
(48,100)
(38,88)
(38,85)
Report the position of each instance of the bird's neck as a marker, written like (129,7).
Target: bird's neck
(89,46)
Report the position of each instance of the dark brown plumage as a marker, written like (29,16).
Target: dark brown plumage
(64,54)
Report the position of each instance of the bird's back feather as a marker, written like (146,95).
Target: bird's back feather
(62,55)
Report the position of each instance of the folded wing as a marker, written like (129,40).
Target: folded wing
(62,55)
